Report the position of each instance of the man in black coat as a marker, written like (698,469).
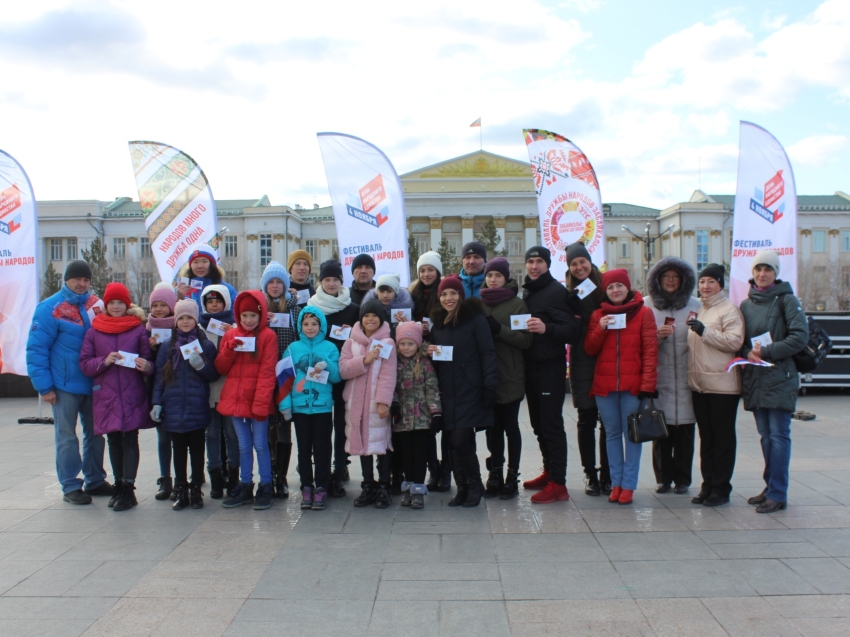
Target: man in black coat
(553,325)
(363,271)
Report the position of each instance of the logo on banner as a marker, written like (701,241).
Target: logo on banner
(10,201)
(569,222)
(762,201)
(371,197)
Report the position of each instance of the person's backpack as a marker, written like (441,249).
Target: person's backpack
(817,348)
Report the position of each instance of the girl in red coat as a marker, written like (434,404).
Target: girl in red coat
(622,336)
(247,393)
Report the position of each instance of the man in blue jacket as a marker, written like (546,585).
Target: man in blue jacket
(53,364)
(474,258)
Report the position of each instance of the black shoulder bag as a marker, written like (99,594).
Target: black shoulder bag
(647,423)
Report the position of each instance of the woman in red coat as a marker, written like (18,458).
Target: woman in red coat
(622,336)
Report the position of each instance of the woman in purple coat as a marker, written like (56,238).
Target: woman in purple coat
(119,396)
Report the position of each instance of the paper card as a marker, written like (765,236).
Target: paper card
(94,310)
(426,321)
(317,376)
(587,286)
(161,334)
(520,321)
(442,353)
(401,314)
(184,280)
(761,339)
(692,315)
(619,322)
(340,333)
(197,284)
(188,348)
(127,359)
(669,320)
(384,349)
(279,319)
(303,296)
(245,344)
(217,327)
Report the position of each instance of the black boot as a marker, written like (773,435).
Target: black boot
(495,482)
(126,498)
(337,490)
(232,479)
(433,475)
(444,482)
(367,493)
(460,481)
(473,482)
(384,496)
(196,496)
(511,488)
(216,484)
(280,483)
(116,493)
(165,488)
(591,483)
(181,497)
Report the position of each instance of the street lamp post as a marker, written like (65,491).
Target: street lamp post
(648,240)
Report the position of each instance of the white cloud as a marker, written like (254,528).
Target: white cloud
(581,5)
(817,150)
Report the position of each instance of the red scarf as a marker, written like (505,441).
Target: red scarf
(114,324)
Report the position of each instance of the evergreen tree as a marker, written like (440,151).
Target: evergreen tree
(413,256)
(52,282)
(448,257)
(95,256)
(490,238)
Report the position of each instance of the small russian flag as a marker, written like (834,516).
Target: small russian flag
(285,372)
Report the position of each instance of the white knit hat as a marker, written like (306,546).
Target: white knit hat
(430,258)
(389,280)
(766,257)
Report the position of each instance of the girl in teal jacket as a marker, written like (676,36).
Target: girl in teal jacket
(310,404)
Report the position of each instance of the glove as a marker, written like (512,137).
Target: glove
(495,326)
(196,361)
(320,366)
(697,326)
(648,394)
(287,414)
(437,422)
(156,412)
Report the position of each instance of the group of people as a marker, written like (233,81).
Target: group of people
(405,378)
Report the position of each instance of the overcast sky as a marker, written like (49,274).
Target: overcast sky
(649,90)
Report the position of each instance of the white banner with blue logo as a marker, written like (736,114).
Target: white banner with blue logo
(19,289)
(368,205)
(765,209)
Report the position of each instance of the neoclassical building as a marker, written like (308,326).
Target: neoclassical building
(454,200)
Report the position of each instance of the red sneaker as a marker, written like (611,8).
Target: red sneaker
(552,493)
(539,482)
(615,494)
(626,496)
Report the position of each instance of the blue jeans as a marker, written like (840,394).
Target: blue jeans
(163,448)
(774,426)
(614,410)
(68,462)
(231,443)
(253,435)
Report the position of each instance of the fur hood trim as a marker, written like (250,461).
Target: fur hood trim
(402,299)
(186,272)
(679,299)
(468,309)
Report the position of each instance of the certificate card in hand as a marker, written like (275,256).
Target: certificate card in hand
(316,376)
(401,314)
(340,333)
(762,340)
(161,334)
(520,321)
(245,344)
(384,349)
(619,322)
(127,359)
(303,296)
(188,348)
(442,353)
(279,319)
(587,286)
(217,327)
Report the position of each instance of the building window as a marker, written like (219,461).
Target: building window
(702,249)
(310,248)
(451,226)
(145,248)
(71,249)
(514,226)
(514,243)
(335,249)
(145,284)
(231,250)
(265,250)
(423,242)
(454,241)
(419,227)
(56,249)
(119,277)
(818,240)
(625,251)
(119,248)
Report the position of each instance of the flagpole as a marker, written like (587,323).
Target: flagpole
(481,137)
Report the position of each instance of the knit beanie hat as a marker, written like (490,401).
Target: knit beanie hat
(766,257)
(330,269)
(715,271)
(117,292)
(616,276)
(500,265)
(388,280)
(411,330)
(576,250)
(362,259)
(274,270)
(373,306)
(474,247)
(430,258)
(452,282)
(164,293)
(203,251)
(217,290)
(298,254)
(541,252)
(186,307)
(246,302)
(78,269)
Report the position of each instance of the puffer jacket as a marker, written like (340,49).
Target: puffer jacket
(225,316)
(195,294)
(582,364)
(778,311)
(709,354)
(402,300)
(674,394)
(366,433)
(549,301)
(626,359)
(308,396)
(417,395)
(249,389)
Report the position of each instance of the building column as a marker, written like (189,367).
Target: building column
(436,232)
(531,224)
(466,232)
(499,222)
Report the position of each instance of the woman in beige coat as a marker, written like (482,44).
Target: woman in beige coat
(716,336)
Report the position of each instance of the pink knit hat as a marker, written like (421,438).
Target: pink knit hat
(186,307)
(164,293)
(411,330)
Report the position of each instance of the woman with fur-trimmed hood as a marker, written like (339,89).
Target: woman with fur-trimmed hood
(201,270)
(671,285)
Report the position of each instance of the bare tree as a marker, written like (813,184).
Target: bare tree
(814,286)
(140,275)
(240,272)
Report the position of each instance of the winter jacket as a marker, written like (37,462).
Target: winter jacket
(583,365)
(366,433)
(348,315)
(778,311)
(510,345)
(119,394)
(472,284)
(358,295)
(402,300)
(424,298)
(186,272)
(302,286)
(674,394)
(56,336)
(709,354)
(469,383)
(547,300)
(626,359)
(308,396)
(417,395)
(225,316)
(249,389)
(186,400)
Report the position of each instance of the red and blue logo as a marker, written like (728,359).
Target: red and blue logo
(10,201)
(764,202)
(370,204)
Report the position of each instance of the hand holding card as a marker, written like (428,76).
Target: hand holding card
(279,319)
(618,322)
(520,321)
(127,359)
(384,349)
(245,344)
(340,333)
(188,348)
(587,286)
(442,353)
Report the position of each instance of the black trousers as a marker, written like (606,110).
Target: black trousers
(673,457)
(718,443)
(313,433)
(586,425)
(505,423)
(367,467)
(185,445)
(124,454)
(340,456)
(411,447)
(445,450)
(545,390)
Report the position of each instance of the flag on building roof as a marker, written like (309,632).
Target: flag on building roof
(477,122)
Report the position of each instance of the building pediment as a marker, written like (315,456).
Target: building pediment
(477,165)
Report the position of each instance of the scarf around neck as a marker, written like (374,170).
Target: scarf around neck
(496,296)
(115,324)
(181,338)
(331,304)
(225,316)
(166,323)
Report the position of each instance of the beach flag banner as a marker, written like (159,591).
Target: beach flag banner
(285,372)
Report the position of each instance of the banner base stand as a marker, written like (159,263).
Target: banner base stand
(35,420)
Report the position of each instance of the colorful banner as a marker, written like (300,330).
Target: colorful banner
(368,205)
(765,209)
(19,280)
(568,198)
(177,203)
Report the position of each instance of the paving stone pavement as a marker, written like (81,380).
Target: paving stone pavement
(660,567)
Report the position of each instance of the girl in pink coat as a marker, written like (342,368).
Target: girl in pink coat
(368,395)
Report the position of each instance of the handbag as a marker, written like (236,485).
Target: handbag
(647,423)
